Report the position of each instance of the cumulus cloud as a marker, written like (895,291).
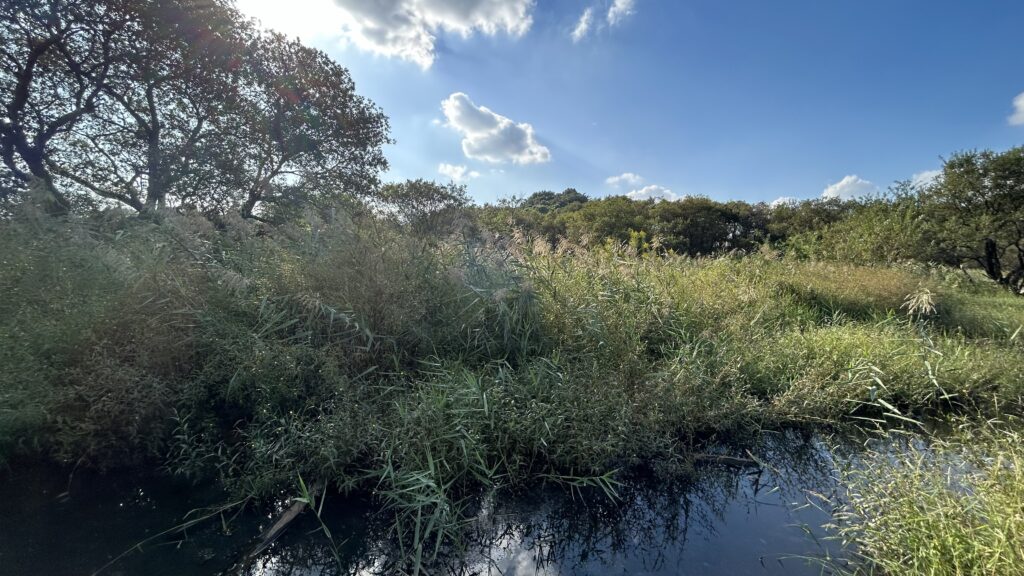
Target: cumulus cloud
(653,192)
(627,178)
(1017,118)
(850,187)
(922,179)
(457,173)
(405,29)
(620,10)
(583,25)
(491,137)
(783,201)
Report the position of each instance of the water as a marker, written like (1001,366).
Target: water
(725,520)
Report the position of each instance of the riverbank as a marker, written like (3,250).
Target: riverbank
(428,371)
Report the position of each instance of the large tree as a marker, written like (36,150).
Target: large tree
(302,133)
(701,226)
(615,218)
(976,214)
(426,208)
(156,136)
(176,103)
(55,56)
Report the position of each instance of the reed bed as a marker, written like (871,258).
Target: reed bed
(430,371)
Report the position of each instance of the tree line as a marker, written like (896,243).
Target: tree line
(971,216)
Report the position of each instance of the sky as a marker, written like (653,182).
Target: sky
(740,100)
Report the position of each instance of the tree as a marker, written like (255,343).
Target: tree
(546,201)
(615,218)
(696,226)
(156,136)
(885,229)
(976,214)
(54,58)
(302,131)
(807,216)
(426,208)
(177,103)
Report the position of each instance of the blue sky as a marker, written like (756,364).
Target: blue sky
(748,100)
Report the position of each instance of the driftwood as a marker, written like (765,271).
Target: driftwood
(272,533)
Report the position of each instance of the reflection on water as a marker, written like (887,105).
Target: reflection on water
(725,520)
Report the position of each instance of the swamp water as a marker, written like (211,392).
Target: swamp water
(728,519)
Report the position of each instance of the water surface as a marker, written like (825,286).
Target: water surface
(723,520)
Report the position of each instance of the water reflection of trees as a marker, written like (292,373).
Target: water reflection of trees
(551,531)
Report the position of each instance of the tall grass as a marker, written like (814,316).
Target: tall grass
(951,507)
(433,370)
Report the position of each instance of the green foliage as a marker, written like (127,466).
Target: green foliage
(691,226)
(427,208)
(968,218)
(788,219)
(700,226)
(106,104)
(544,201)
(615,217)
(952,506)
(362,352)
(975,211)
(880,230)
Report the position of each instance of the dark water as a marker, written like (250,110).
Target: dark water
(725,520)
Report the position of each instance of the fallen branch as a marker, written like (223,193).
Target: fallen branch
(271,534)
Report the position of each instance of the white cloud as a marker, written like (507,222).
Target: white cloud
(491,137)
(583,26)
(405,29)
(850,187)
(654,192)
(627,178)
(783,201)
(1017,118)
(925,178)
(620,10)
(457,173)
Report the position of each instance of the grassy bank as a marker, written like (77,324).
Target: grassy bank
(362,354)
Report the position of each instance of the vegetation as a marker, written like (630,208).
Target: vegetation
(969,217)
(183,103)
(362,354)
(953,507)
(202,272)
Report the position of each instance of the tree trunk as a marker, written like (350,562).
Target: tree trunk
(993,268)
(41,182)
(156,187)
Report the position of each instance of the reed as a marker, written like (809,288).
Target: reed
(432,371)
(950,505)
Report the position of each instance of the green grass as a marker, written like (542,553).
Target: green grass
(953,507)
(431,371)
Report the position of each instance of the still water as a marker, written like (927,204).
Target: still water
(726,519)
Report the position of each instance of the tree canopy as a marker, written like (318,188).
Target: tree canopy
(976,213)
(155,103)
